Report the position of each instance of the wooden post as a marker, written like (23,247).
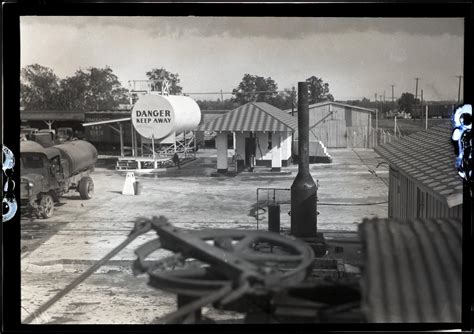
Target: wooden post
(153,146)
(121,138)
(184,140)
(135,141)
(195,143)
(131,139)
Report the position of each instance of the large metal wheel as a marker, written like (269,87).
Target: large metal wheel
(224,256)
(46,206)
(86,187)
(221,267)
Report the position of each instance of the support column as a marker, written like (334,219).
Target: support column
(286,144)
(131,140)
(221,146)
(121,139)
(276,152)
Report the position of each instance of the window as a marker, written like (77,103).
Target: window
(33,161)
(270,141)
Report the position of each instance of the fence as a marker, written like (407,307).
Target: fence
(360,137)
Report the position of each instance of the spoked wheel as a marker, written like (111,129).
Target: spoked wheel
(254,261)
(46,206)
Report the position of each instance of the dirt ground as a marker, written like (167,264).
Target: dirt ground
(57,250)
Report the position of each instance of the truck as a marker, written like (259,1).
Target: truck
(51,172)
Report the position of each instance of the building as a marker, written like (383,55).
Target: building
(262,135)
(338,125)
(423,179)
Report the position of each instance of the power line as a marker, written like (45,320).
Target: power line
(239,92)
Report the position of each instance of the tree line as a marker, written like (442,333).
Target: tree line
(99,89)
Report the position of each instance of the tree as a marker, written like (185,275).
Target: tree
(158,74)
(227,104)
(407,102)
(245,91)
(39,88)
(284,100)
(93,89)
(318,90)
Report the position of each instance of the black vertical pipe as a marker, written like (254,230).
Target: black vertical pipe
(304,189)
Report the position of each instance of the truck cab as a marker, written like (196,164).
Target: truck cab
(45,177)
(64,134)
(41,176)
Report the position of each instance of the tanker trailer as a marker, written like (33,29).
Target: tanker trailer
(49,173)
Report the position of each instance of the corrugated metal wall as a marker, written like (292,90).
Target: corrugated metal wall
(407,200)
(338,130)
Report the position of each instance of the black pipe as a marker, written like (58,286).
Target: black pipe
(304,189)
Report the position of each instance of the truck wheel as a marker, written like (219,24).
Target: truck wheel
(46,206)
(86,187)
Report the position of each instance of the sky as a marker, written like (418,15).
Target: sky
(358,57)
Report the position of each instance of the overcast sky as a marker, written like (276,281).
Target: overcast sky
(356,56)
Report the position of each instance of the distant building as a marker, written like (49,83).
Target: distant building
(423,179)
(261,131)
(338,125)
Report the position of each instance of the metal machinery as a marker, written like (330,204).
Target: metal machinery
(266,276)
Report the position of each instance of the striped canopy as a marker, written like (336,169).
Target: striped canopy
(253,116)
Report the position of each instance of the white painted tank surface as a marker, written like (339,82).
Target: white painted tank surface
(157,116)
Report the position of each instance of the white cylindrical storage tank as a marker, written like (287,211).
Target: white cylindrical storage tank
(158,116)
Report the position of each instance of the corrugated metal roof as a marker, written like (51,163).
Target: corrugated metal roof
(428,158)
(412,270)
(55,115)
(253,116)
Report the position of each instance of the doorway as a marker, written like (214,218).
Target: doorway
(250,149)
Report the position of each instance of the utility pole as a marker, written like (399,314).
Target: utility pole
(421,107)
(293,98)
(421,104)
(222,97)
(376,117)
(459,88)
(392,93)
(382,99)
(426,117)
(416,96)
